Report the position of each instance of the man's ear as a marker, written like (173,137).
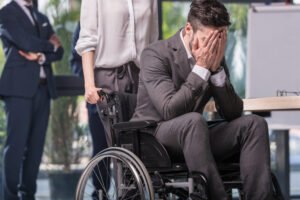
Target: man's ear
(188,29)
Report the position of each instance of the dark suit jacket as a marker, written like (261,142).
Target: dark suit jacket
(168,88)
(76,61)
(20,77)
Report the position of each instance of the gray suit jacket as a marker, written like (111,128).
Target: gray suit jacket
(168,88)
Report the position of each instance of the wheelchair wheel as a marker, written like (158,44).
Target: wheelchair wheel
(115,174)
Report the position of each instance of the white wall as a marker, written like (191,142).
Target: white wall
(274,54)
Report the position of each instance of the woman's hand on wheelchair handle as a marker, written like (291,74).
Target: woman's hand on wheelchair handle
(91,94)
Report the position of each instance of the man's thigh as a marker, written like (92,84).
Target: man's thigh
(181,133)
(19,115)
(226,138)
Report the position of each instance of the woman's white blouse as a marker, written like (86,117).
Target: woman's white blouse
(117,30)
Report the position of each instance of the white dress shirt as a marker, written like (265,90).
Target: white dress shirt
(217,79)
(116,30)
(23,5)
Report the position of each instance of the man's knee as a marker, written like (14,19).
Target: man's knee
(256,125)
(194,125)
(257,121)
(195,119)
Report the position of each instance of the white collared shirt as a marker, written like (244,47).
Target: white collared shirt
(117,31)
(23,5)
(217,79)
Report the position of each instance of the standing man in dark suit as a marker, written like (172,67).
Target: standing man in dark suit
(26,86)
(177,78)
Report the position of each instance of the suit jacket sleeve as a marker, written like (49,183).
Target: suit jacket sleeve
(76,61)
(169,101)
(228,103)
(20,38)
(58,54)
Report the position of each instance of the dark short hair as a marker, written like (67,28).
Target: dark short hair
(208,13)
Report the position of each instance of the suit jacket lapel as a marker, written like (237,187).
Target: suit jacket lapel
(180,55)
(23,15)
(37,20)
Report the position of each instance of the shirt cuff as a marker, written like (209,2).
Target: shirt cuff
(88,50)
(219,78)
(42,59)
(201,72)
(55,48)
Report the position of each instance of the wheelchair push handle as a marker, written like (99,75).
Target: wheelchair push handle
(102,94)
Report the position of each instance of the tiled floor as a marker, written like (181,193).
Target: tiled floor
(43,192)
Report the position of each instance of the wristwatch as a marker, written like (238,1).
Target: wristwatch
(217,71)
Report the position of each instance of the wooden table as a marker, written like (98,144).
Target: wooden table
(269,104)
(265,104)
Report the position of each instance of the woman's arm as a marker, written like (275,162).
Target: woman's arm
(91,95)
(86,46)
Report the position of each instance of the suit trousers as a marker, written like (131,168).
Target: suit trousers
(202,148)
(27,120)
(97,132)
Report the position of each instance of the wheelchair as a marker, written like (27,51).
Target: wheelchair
(138,167)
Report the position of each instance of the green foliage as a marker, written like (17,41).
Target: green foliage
(173,18)
(238,15)
(2,59)
(2,113)
(64,23)
(64,130)
(236,52)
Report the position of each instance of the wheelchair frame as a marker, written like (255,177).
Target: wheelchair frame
(156,176)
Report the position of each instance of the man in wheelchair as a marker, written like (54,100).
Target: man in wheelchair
(178,76)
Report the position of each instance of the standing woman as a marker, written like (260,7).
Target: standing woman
(112,37)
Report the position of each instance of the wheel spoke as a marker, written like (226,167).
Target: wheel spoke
(114,175)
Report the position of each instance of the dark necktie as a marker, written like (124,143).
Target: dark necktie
(30,8)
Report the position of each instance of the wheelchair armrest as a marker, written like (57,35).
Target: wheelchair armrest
(134,125)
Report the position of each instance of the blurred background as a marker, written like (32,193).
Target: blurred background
(68,144)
